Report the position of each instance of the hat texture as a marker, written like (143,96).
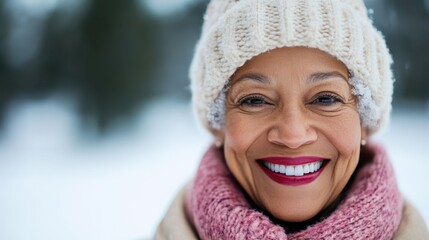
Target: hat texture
(236,31)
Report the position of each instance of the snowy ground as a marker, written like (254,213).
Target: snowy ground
(56,183)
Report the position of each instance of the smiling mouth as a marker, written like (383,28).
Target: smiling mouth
(294,170)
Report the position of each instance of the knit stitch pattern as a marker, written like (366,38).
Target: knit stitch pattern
(236,31)
(371,210)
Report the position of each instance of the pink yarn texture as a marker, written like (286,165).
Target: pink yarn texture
(371,209)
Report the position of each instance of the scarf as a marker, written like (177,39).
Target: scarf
(371,209)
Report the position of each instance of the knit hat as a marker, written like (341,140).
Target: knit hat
(234,31)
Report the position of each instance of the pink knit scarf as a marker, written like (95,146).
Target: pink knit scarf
(371,209)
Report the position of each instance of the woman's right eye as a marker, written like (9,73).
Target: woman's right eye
(252,101)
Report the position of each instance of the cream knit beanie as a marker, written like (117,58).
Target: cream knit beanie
(235,31)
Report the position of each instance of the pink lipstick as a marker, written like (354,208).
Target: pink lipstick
(293,171)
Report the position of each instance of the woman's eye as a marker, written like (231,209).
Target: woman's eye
(253,101)
(327,99)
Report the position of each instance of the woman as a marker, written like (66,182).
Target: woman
(292,90)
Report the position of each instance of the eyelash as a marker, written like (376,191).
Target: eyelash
(246,101)
(334,99)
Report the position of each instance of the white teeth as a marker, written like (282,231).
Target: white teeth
(299,170)
(290,171)
(306,169)
(311,167)
(296,170)
(282,169)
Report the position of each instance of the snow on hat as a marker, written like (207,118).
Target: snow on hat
(234,31)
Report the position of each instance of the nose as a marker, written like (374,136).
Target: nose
(292,130)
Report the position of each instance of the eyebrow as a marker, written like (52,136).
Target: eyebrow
(253,76)
(315,77)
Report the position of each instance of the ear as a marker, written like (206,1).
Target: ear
(219,135)
(364,135)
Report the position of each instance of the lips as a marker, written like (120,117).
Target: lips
(293,171)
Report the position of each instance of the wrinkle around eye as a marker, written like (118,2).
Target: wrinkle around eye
(253,100)
(336,110)
(244,104)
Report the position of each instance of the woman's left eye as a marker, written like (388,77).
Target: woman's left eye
(327,99)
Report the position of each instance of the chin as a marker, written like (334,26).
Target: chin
(296,217)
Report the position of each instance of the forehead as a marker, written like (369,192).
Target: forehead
(291,61)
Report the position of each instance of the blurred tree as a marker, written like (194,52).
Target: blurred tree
(108,58)
(5,82)
(105,55)
(406,28)
(110,55)
(179,33)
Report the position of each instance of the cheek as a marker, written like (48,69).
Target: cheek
(345,133)
(238,135)
(238,139)
(345,137)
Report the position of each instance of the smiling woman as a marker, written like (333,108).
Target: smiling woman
(303,114)
(292,90)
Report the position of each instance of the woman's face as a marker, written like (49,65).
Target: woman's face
(292,132)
